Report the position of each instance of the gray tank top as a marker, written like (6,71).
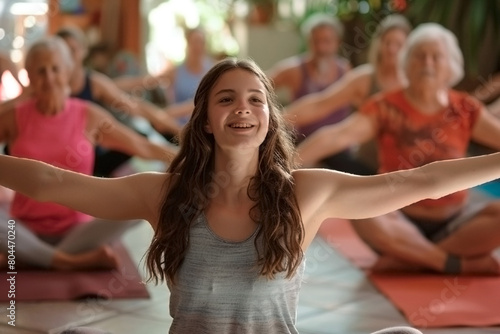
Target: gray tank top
(219,289)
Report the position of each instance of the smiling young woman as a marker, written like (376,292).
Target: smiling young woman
(233,208)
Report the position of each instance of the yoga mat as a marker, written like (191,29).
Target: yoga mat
(426,300)
(38,285)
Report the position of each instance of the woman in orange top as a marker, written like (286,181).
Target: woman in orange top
(425,121)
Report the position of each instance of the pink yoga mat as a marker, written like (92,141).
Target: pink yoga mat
(426,300)
(38,285)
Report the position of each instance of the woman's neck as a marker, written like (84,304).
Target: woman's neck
(427,98)
(51,105)
(387,76)
(387,69)
(232,175)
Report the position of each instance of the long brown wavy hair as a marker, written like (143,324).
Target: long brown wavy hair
(187,193)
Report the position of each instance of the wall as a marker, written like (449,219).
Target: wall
(266,44)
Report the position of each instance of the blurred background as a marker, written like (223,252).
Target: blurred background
(132,36)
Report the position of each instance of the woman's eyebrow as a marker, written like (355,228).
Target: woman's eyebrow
(222,91)
(228,90)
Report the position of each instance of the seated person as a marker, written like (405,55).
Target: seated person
(93,86)
(423,122)
(52,127)
(381,73)
(312,72)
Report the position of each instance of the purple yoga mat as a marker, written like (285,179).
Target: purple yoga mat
(38,285)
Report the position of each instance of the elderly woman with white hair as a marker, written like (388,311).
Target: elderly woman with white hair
(57,129)
(423,122)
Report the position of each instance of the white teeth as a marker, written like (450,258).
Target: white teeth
(241,125)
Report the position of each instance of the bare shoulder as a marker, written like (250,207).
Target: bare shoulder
(151,188)
(314,178)
(314,188)
(315,183)
(151,183)
(96,113)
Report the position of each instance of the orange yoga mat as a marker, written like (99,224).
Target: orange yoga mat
(38,285)
(426,300)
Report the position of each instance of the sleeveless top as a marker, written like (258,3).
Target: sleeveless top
(86,92)
(309,86)
(219,289)
(87,95)
(59,140)
(409,138)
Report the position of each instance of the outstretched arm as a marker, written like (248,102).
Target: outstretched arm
(130,83)
(489,90)
(131,197)
(328,140)
(355,197)
(111,95)
(109,133)
(315,106)
(182,109)
(494,108)
(486,130)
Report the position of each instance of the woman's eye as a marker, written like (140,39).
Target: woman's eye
(225,99)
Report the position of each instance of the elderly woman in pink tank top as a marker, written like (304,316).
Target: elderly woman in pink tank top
(53,128)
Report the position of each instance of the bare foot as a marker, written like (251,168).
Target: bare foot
(107,258)
(103,258)
(388,264)
(484,265)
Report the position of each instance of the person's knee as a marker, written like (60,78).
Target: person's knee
(373,232)
(399,330)
(84,330)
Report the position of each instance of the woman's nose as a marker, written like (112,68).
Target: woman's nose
(242,111)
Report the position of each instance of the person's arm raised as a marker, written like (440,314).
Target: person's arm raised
(341,195)
(315,106)
(330,139)
(131,197)
(109,94)
(488,90)
(181,109)
(130,83)
(494,108)
(110,133)
(486,130)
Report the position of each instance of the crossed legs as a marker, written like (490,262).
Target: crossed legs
(84,247)
(403,247)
